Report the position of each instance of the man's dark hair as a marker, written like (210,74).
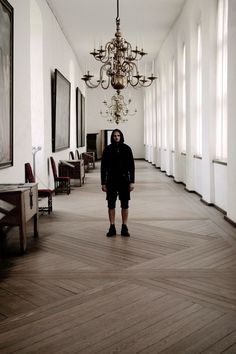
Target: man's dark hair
(121,136)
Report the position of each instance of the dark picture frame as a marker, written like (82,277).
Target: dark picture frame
(61,95)
(6,83)
(82,120)
(78,118)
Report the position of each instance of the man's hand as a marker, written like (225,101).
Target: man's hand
(104,188)
(131,187)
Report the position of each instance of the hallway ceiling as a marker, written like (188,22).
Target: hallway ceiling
(88,22)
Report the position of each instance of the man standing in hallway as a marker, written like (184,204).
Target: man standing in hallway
(117,178)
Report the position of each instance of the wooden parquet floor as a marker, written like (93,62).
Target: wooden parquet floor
(169,288)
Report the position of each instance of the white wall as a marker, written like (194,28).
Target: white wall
(39,48)
(132,129)
(216,183)
(21,106)
(231,178)
(56,54)
(220,185)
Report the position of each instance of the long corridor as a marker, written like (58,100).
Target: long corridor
(169,288)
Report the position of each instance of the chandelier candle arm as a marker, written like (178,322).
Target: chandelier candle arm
(118,63)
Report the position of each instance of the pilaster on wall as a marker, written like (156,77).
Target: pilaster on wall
(175,154)
(209,28)
(178,174)
(37,93)
(231,195)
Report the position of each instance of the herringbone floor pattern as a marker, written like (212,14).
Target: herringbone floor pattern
(169,288)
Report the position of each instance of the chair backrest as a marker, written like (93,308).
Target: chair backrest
(29,177)
(77,155)
(71,155)
(54,168)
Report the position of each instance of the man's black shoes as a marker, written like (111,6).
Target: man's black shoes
(112,231)
(124,231)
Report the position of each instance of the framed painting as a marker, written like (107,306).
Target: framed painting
(78,118)
(82,120)
(60,112)
(6,84)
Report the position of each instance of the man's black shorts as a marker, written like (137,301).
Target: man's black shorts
(122,190)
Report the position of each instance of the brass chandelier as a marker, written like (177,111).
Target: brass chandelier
(119,68)
(118,109)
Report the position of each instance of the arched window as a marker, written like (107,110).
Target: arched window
(172,102)
(199,93)
(183,102)
(221,89)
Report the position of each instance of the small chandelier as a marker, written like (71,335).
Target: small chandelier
(118,109)
(118,64)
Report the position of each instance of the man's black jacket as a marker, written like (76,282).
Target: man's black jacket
(117,164)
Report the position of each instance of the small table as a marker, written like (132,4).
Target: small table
(18,204)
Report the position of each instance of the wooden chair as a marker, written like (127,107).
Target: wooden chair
(77,156)
(42,193)
(80,157)
(62,184)
(71,155)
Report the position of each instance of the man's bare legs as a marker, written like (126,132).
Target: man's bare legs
(124,215)
(112,214)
